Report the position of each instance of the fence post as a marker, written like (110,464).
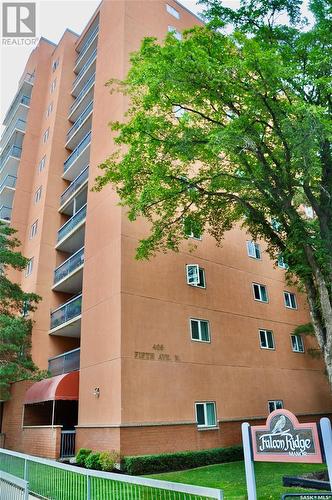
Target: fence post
(26,492)
(221,495)
(25,470)
(88,488)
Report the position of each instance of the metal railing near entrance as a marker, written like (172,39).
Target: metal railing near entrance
(67,444)
(56,481)
(13,488)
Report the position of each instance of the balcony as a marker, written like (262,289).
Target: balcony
(7,189)
(74,188)
(5,214)
(19,112)
(64,363)
(80,128)
(85,74)
(71,234)
(78,159)
(66,320)
(9,161)
(17,128)
(87,49)
(25,89)
(82,100)
(68,276)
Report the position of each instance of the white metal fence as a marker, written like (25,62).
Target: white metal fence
(55,481)
(13,488)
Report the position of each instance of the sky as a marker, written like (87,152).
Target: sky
(53,17)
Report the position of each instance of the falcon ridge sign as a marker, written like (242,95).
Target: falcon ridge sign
(284,439)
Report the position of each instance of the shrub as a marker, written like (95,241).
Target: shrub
(108,459)
(93,461)
(166,462)
(82,455)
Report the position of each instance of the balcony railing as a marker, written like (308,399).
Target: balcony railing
(68,266)
(14,151)
(77,151)
(10,181)
(82,93)
(85,67)
(27,78)
(18,125)
(66,312)
(72,223)
(5,213)
(74,186)
(64,363)
(79,120)
(86,45)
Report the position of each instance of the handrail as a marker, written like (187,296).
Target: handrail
(14,151)
(74,185)
(84,67)
(29,78)
(68,312)
(86,45)
(69,265)
(79,120)
(82,93)
(13,181)
(19,124)
(79,216)
(77,151)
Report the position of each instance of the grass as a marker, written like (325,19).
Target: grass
(230,477)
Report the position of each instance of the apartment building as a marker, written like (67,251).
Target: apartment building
(144,357)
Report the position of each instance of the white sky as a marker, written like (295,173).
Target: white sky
(53,17)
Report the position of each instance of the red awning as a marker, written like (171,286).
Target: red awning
(63,387)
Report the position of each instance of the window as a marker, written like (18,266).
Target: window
(290,300)
(41,164)
(53,86)
(282,264)
(38,194)
(55,64)
(28,269)
(175,32)
(254,250)
(266,339)
(33,229)
(276,404)
(46,135)
(206,414)
(195,275)
(172,11)
(297,343)
(200,330)
(260,292)
(49,109)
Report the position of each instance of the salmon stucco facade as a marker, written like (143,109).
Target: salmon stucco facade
(167,355)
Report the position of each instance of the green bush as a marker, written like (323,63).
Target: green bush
(152,464)
(108,459)
(93,461)
(82,455)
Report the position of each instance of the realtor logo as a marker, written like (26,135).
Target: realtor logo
(18,19)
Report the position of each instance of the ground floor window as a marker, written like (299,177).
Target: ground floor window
(206,414)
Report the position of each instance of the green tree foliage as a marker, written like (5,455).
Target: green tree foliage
(15,324)
(233,125)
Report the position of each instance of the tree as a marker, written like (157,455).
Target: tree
(15,324)
(229,126)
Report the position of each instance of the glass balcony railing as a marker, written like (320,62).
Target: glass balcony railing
(17,125)
(64,363)
(72,223)
(79,120)
(14,151)
(86,45)
(27,78)
(74,186)
(85,67)
(9,181)
(82,93)
(77,151)
(66,312)
(5,213)
(68,266)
